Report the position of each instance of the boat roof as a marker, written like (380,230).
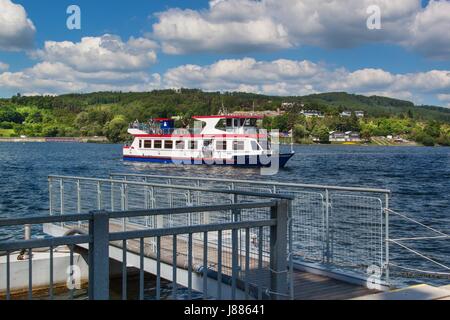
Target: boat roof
(231,116)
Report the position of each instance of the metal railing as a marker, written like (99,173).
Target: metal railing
(265,279)
(344,229)
(419,258)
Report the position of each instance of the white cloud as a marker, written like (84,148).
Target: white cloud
(16,30)
(249,25)
(288,77)
(228,26)
(93,64)
(57,78)
(107,52)
(3,66)
(430,31)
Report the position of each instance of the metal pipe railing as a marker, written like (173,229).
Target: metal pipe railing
(305,229)
(99,239)
(168,186)
(255,182)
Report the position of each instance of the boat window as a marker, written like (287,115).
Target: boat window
(140,144)
(148,144)
(221,145)
(250,122)
(157,144)
(168,144)
(229,123)
(238,145)
(180,145)
(255,146)
(193,145)
(207,143)
(221,124)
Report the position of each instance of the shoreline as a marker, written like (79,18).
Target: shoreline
(54,139)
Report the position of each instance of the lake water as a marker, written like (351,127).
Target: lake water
(418,177)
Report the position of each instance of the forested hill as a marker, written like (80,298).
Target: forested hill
(169,102)
(377,106)
(102,112)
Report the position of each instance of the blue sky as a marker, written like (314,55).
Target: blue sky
(275,47)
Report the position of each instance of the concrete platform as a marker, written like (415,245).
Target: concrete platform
(40,270)
(419,292)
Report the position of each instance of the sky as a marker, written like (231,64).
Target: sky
(276,47)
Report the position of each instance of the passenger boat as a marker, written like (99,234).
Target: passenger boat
(232,140)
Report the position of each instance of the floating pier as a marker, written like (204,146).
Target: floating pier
(217,238)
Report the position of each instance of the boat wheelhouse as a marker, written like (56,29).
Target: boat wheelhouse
(214,140)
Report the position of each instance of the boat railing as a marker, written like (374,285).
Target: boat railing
(151,129)
(343,230)
(227,269)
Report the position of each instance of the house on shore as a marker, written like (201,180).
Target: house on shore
(312,114)
(360,114)
(348,136)
(346,114)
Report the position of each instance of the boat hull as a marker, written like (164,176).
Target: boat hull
(238,161)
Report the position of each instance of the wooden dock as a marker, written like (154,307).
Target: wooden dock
(307,286)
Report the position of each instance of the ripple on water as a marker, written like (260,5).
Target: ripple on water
(418,177)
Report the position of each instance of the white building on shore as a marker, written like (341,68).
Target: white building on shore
(348,136)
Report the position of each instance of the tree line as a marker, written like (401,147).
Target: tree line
(109,113)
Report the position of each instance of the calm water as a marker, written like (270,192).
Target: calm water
(419,177)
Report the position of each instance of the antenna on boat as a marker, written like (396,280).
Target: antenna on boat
(223,110)
(292,140)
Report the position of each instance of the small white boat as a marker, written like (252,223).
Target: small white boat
(232,140)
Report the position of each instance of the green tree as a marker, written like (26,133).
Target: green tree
(433,129)
(323,133)
(300,132)
(116,129)
(8,114)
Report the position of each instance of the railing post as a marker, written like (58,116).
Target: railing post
(61,196)
(387,238)
(50,195)
(99,196)
(123,206)
(79,201)
(278,248)
(112,196)
(236,217)
(327,227)
(146,203)
(99,256)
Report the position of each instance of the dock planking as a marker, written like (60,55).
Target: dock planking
(307,286)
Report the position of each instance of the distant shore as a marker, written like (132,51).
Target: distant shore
(54,139)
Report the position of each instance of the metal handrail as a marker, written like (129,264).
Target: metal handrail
(273,183)
(167,186)
(327,192)
(130,214)
(99,239)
